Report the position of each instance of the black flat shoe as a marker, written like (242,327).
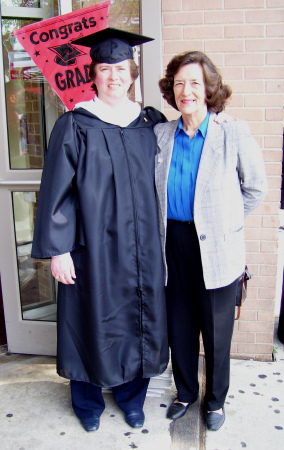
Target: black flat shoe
(135,418)
(91,423)
(177,410)
(215,420)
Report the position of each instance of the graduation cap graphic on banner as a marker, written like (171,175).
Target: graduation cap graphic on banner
(64,64)
(66,54)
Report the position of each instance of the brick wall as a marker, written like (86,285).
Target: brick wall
(244,38)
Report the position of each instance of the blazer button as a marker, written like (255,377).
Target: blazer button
(203,237)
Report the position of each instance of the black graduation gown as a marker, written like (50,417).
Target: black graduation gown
(97,201)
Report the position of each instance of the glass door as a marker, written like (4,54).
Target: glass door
(28,110)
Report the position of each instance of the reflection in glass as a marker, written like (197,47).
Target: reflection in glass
(32,107)
(37,286)
(22,3)
(123,14)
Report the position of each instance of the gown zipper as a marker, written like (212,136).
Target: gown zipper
(139,288)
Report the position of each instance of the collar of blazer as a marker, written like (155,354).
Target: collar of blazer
(165,133)
(211,153)
(212,150)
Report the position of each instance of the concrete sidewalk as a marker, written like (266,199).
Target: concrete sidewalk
(35,412)
(254,406)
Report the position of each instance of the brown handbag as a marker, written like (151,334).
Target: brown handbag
(241,294)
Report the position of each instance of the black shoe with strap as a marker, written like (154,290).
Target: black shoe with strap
(215,420)
(177,409)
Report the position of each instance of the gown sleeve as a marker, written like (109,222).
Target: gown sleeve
(55,225)
(155,115)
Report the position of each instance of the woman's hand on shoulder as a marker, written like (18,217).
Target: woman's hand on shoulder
(62,268)
(223,117)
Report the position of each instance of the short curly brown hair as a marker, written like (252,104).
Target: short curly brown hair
(134,72)
(217,93)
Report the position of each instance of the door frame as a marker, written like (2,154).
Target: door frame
(23,336)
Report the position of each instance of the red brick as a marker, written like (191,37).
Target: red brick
(235,101)
(259,140)
(261,73)
(182,18)
(275,30)
(274,3)
(203,32)
(248,315)
(245,59)
(258,349)
(262,282)
(274,86)
(275,59)
(264,16)
(264,338)
(269,247)
(172,33)
(273,169)
(249,114)
(270,221)
(253,221)
(169,5)
(224,45)
(267,293)
(262,304)
(244,31)
(252,246)
(231,73)
(274,114)
(244,337)
(217,59)
(247,86)
(254,269)
(274,182)
(243,4)
(166,60)
(264,100)
(175,47)
(256,326)
(273,155)
(261,234)
(273,196)
(259,100)
(265,45)
(234,347)
(252,293)
(224,17)
(261,258)
(265,316)
(273,142)
(268,208)
(203,5)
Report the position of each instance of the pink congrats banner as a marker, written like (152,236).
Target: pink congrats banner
(65,65)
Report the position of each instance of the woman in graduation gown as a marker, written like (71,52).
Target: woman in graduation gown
(97,219)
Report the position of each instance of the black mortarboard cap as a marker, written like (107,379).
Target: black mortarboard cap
(111,45)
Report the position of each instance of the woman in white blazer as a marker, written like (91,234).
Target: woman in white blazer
(209,177)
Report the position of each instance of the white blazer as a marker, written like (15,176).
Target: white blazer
(231,182)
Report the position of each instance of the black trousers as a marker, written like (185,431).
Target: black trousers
(193,309)
(87,399)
